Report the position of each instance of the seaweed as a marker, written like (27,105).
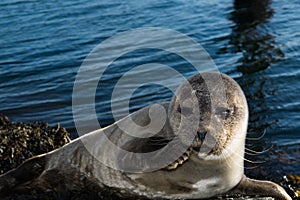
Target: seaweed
(20,141)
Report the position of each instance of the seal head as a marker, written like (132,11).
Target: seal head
(211,109)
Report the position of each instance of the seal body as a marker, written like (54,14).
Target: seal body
(218,165)
(208,115)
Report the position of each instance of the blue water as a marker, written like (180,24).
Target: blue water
(43,44)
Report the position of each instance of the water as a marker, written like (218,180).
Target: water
(43,45)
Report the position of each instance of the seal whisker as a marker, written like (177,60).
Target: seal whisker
(247,160)
(254,167)
(257,138)
(257,152)
(254,162)
(228,151)
(250,154)
(226,160)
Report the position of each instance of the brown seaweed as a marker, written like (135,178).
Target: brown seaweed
(20,141)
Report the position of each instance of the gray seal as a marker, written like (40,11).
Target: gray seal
(207,120)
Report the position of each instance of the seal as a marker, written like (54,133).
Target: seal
(207,120)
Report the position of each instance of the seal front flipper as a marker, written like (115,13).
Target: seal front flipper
(26,172)
(249,186)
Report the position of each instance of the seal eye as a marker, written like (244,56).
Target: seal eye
(186,111)
(224,112)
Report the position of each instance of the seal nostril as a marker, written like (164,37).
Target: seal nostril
(201,135)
